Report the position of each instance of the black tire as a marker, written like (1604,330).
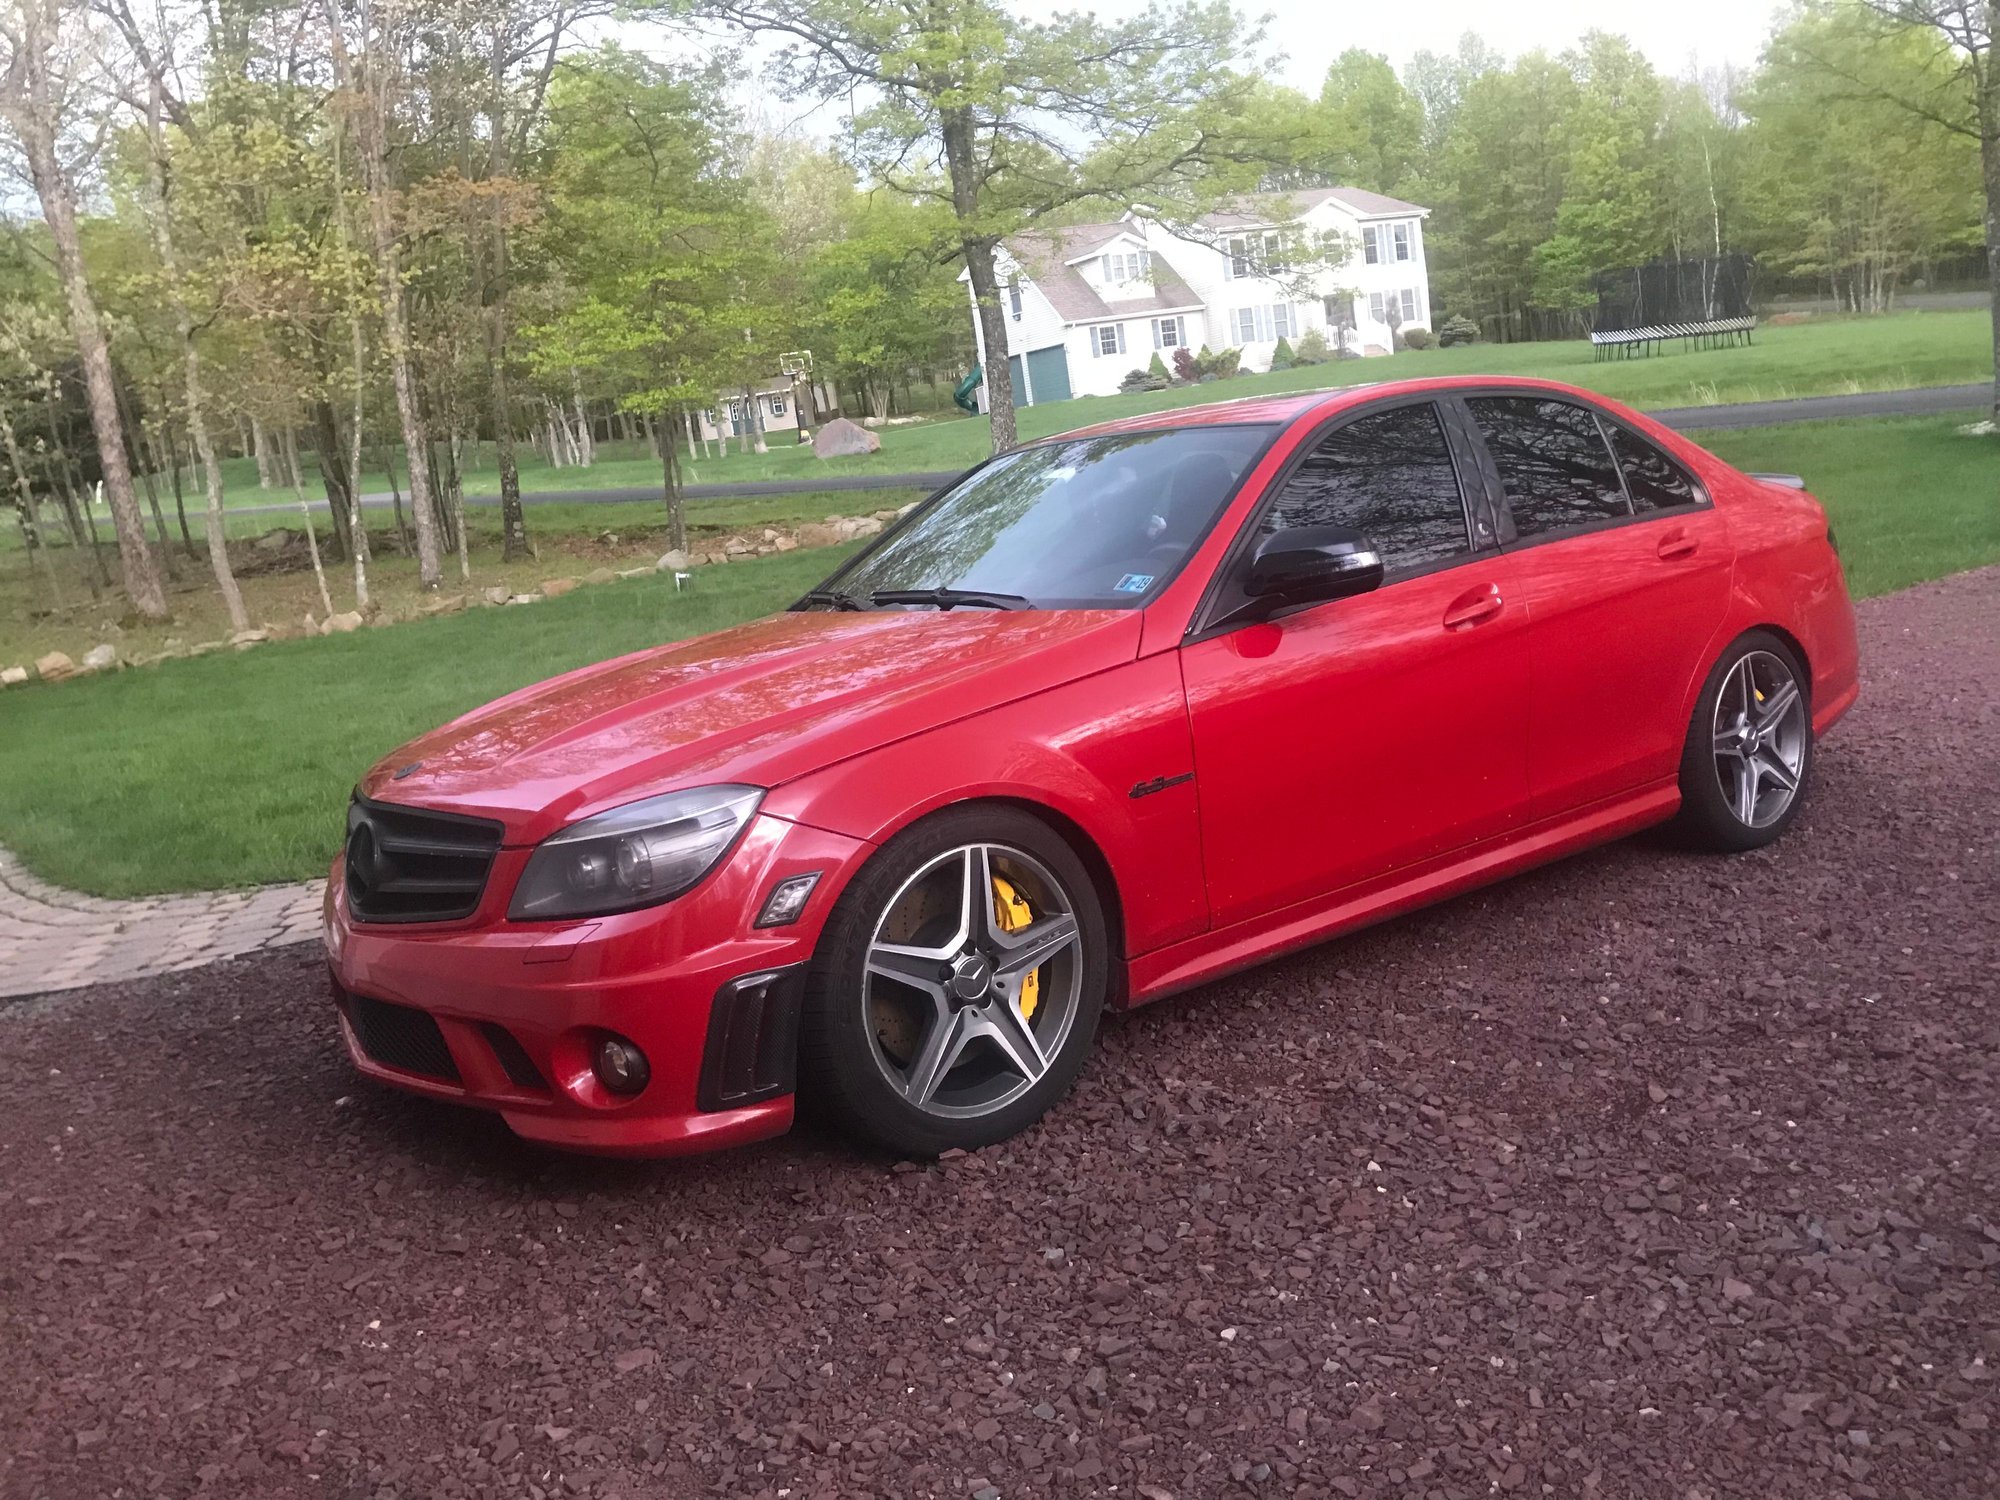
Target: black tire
(845,1063)
(1710,816)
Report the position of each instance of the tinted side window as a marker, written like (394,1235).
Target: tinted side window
(1655,481)
(1552,460)
(1388,476)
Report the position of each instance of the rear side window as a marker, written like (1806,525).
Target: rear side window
(1552,461)
(1388,476)
(1655,481)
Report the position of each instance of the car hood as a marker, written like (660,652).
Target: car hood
(760,704)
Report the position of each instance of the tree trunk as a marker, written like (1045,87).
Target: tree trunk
(395,323)
(1989,171)
(180,496)
(358,531)
(676,506)
(753,404)
(137,444)
(37,123)
(261,446)
(312,544)
(963,167)
(163,246)
(333,475)
(24,509)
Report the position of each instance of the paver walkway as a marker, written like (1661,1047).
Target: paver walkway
(53,939)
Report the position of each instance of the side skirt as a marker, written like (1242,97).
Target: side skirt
(1198,960)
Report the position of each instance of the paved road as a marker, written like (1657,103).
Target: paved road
(1924,401)
(1649,1176)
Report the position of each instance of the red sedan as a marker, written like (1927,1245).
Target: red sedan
(1115,714)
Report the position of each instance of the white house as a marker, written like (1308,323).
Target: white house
(1089,303)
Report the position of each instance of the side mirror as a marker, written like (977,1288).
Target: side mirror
(1311,564)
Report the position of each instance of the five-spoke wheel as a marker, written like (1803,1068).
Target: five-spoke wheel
(959,983)
(1749,749)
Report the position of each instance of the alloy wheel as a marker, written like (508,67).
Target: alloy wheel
(1760,738)
(973,980)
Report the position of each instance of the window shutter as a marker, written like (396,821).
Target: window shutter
(1121,338)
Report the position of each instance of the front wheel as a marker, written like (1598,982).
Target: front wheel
(956,992)
(1749,748)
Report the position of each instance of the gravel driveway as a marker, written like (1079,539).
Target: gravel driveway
(1646,1175)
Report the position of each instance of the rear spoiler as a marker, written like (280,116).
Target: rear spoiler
(1789,481)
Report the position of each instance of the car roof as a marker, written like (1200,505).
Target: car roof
(1295,406)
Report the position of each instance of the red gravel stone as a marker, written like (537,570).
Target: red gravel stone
(1647,1175)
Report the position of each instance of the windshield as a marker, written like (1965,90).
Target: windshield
(1083,523)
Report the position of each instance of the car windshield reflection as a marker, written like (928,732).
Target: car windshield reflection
(1077,523)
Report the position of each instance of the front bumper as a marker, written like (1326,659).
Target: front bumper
(504,1015)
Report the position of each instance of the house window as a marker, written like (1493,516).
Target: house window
(1409,304)
(1107,338)
(1371,246)
(1264,325)
(1274,255)
(1123,266)
(1014,296)
(1167,333)
(777,406)
(1403,238)
(1376,309)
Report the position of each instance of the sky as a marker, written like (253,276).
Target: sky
(1306,35)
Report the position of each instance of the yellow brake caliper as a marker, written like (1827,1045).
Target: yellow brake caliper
(1012,912)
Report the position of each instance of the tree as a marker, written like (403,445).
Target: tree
(1379,123)
(883,301)
(48,43)
(368,98)
(1956,87)
(1012,122)
(1853,195)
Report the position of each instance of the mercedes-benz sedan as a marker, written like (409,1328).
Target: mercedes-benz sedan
(1114,714)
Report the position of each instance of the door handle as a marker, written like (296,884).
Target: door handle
(1676,545)
(1473,607)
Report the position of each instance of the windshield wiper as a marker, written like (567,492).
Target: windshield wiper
(951,598)
(835,598)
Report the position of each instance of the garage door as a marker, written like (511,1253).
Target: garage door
(1047,376)
(1048,372)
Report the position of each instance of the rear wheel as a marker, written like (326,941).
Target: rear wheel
(956,992)
(1749,748)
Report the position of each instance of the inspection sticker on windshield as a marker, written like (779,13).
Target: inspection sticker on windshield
(1135,583)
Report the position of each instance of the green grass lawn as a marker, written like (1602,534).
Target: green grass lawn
(233,769)
(1831,356)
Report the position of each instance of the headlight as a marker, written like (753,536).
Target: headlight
(637,855)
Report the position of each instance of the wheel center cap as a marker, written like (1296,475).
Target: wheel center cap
(972,976)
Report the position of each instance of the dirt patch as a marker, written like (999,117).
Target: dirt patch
(1646,1175)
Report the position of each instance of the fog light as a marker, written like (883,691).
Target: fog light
(620,1066)
(787,900)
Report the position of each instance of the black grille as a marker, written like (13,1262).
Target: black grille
(513,1057)
(406,864)
(397,1036)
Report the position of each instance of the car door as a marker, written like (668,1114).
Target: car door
(1349,739)
(1625,569)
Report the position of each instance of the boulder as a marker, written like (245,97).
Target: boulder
(343,624)
(498,594)
(841,438)
(785,544)
(13,676)
(735,546)
(54,667)
(675,561)
(244,639)
(449,604)
(818,534)
(555,588)
(600,575)
(523,598)
(847,528)
(100,658)
(636,573)
(904,510)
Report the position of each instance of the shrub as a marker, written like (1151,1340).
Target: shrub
(1312,349)
(1228,364)
(1156,368)
(1135,380)
(1282,357)
(1458,329)
(1416,338)
(1187,368)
